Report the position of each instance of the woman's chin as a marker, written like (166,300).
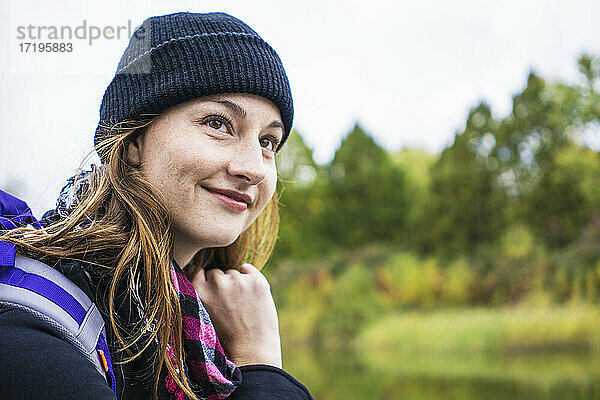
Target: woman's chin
(223,240)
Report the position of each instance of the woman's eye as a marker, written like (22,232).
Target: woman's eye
(215,123)
(271,141)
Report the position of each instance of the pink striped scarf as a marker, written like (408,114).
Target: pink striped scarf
(207,367)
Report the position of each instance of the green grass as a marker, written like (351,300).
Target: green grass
(486,331)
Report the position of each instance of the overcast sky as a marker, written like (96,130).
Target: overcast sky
(408,71)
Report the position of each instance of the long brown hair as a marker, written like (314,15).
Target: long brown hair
(121,228)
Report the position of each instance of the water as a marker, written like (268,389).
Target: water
(332,375)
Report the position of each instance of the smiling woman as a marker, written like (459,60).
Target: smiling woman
(162,243)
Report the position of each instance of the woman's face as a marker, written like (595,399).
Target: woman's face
(214,143)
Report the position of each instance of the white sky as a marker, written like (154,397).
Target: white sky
(408,71)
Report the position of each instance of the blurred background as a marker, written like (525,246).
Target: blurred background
(440,201)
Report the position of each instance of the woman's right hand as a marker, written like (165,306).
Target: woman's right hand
(243,312)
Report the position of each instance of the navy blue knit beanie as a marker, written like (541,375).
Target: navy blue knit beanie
(174,58)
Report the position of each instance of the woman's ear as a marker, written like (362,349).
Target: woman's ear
(134,150)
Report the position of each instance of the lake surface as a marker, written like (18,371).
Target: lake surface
(380,375)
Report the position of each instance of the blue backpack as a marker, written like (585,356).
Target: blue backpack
(40,290)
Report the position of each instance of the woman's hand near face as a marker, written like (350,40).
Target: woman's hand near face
(243,312)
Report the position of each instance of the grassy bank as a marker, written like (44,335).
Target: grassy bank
(481,330)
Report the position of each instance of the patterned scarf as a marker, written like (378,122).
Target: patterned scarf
(207,366)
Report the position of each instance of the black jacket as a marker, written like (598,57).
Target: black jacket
(36,363)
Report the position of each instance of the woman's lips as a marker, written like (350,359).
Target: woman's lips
(228,201)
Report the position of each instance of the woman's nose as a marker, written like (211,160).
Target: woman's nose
(248,162)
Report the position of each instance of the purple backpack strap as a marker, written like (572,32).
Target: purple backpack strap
(13,213)
(39,289)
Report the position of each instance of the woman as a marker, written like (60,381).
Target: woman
(167,236)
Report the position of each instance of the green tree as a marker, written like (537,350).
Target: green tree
(466,207)
(546,120)
(300,200)
(417,164)
(364,199)
(590,68)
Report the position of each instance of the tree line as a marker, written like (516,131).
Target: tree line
(509,210)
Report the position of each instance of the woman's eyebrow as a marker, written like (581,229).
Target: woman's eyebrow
(240,112)
(236,109)
(277,124)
